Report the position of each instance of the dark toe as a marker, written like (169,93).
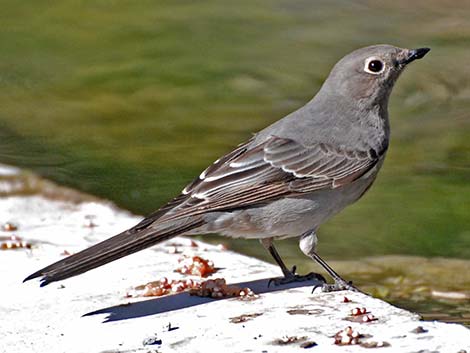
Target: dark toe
(290,278)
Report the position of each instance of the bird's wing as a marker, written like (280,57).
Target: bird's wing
(277,167)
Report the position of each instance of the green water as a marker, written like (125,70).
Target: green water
(129,100)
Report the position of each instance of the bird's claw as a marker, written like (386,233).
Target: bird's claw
(293,277)
(339,285)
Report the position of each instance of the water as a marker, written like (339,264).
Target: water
(130,101)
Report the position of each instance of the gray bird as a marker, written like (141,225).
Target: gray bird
(287,179)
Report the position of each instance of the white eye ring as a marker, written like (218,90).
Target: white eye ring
(374,66)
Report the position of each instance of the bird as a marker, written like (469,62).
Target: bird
(284,181)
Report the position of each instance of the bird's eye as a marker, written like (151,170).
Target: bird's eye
(374,66)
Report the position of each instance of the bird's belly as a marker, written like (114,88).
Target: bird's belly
(282,218)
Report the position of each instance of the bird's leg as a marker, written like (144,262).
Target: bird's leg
(308,242)
(289,275)
(340,283)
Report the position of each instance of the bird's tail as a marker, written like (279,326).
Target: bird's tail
(120,245)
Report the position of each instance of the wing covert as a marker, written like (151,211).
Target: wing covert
(277,167)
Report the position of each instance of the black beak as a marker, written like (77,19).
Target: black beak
(414,54)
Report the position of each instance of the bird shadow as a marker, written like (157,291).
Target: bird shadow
(185,300)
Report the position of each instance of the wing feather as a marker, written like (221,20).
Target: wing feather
(254,174)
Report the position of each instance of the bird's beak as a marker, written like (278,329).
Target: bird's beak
(413,54)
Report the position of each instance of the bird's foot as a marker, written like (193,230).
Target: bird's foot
(340,284)
(292,276)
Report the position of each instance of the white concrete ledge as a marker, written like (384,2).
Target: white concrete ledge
(50,319)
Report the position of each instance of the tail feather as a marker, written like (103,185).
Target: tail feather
(120,245)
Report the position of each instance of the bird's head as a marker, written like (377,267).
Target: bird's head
(367,75)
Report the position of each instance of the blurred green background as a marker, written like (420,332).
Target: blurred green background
(129,100)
